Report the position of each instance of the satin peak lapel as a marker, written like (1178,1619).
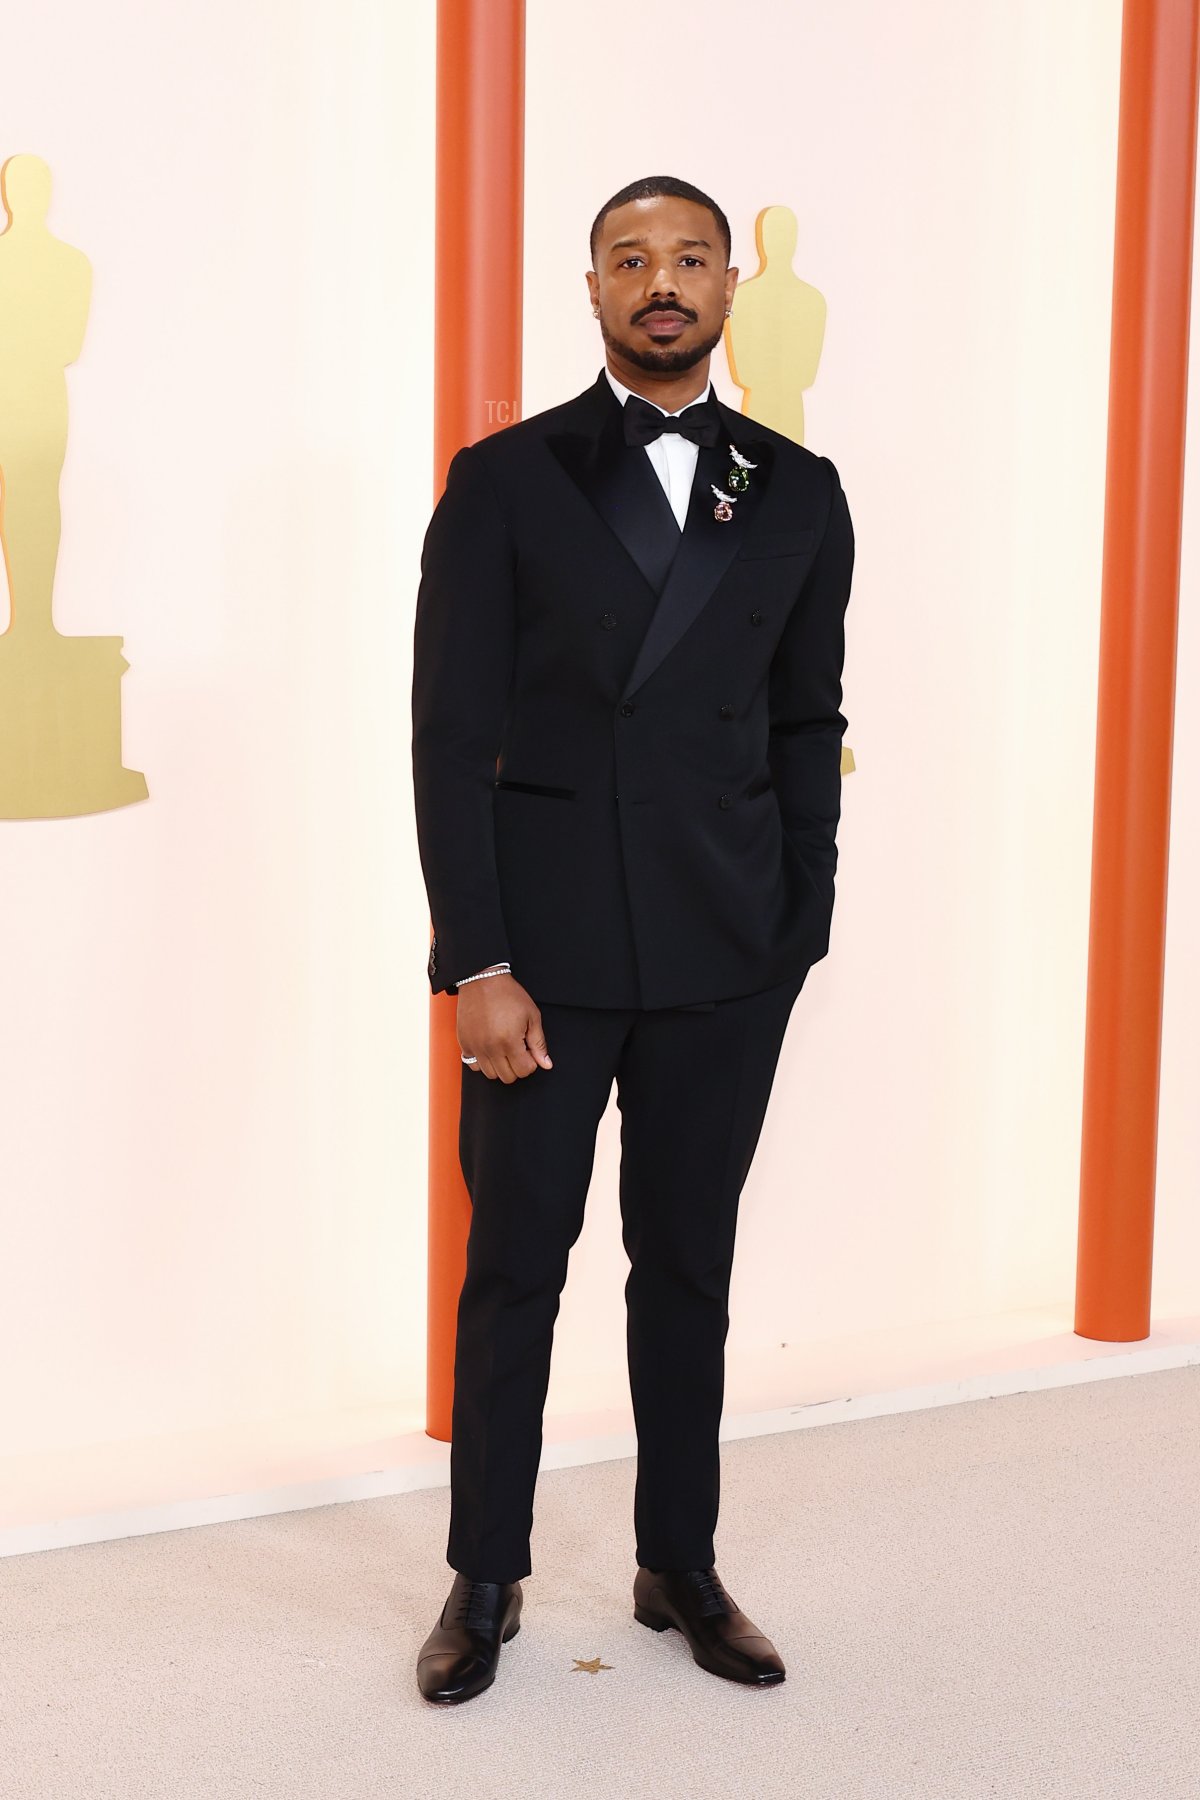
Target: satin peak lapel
(623,489)
(707,547)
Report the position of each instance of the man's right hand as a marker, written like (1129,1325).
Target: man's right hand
(499,1023)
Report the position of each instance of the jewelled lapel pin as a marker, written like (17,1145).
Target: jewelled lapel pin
(737,481)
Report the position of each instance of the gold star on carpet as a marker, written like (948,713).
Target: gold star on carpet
(592,1667)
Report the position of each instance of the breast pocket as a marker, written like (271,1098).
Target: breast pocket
(777,543)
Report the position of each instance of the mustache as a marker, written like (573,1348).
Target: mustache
(685,312)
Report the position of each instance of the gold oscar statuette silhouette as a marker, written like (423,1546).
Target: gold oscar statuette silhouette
(60,697)
(773,338)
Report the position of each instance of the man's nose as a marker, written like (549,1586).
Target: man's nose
(662,283)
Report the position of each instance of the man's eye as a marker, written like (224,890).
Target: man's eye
(628,260)
(692,259)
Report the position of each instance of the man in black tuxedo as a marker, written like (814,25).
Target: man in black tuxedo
(627,762)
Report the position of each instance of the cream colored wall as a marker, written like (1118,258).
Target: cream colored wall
(952,169)
(214,1003)
(214,1042)
(1177,1214)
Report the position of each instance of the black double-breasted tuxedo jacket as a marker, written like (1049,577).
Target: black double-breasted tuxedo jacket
(626,738)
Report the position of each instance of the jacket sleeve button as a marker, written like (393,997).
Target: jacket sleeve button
(725,800)
(608,620)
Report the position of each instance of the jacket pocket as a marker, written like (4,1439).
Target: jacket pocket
(534,787)
(777,543)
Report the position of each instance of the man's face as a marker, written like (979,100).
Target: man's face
(661,283)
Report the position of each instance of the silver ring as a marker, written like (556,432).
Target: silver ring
(470,1059)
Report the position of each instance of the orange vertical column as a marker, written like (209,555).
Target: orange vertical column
(1156,161)
(477,388)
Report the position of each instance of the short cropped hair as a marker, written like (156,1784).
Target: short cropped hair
(652,187)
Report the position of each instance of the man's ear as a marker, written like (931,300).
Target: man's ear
(731,281)
(593,286)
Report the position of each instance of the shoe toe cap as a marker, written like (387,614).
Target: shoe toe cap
(758,1657)
(444,1677)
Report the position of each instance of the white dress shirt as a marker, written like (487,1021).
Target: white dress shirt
(672,457)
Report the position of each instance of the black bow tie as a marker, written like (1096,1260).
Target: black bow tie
(643,423)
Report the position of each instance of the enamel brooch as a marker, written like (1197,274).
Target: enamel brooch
(737,481)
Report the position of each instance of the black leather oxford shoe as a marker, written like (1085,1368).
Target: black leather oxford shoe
(458,1658)
(722,1639)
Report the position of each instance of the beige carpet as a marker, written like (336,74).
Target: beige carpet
(999,1598)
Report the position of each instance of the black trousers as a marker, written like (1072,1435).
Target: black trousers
(692,1089)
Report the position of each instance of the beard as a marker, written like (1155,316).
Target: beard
(671,359)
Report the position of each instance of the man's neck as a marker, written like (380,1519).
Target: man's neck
(671,391)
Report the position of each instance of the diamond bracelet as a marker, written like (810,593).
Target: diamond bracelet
(504,969)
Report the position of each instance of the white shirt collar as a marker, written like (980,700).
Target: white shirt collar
(623,394)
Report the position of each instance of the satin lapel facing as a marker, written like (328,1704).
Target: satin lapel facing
(625,492)
(706,549)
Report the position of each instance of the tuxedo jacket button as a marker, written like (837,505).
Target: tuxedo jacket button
(725,800)
(727,712)
(756,617)
(608,620)
(628,710)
